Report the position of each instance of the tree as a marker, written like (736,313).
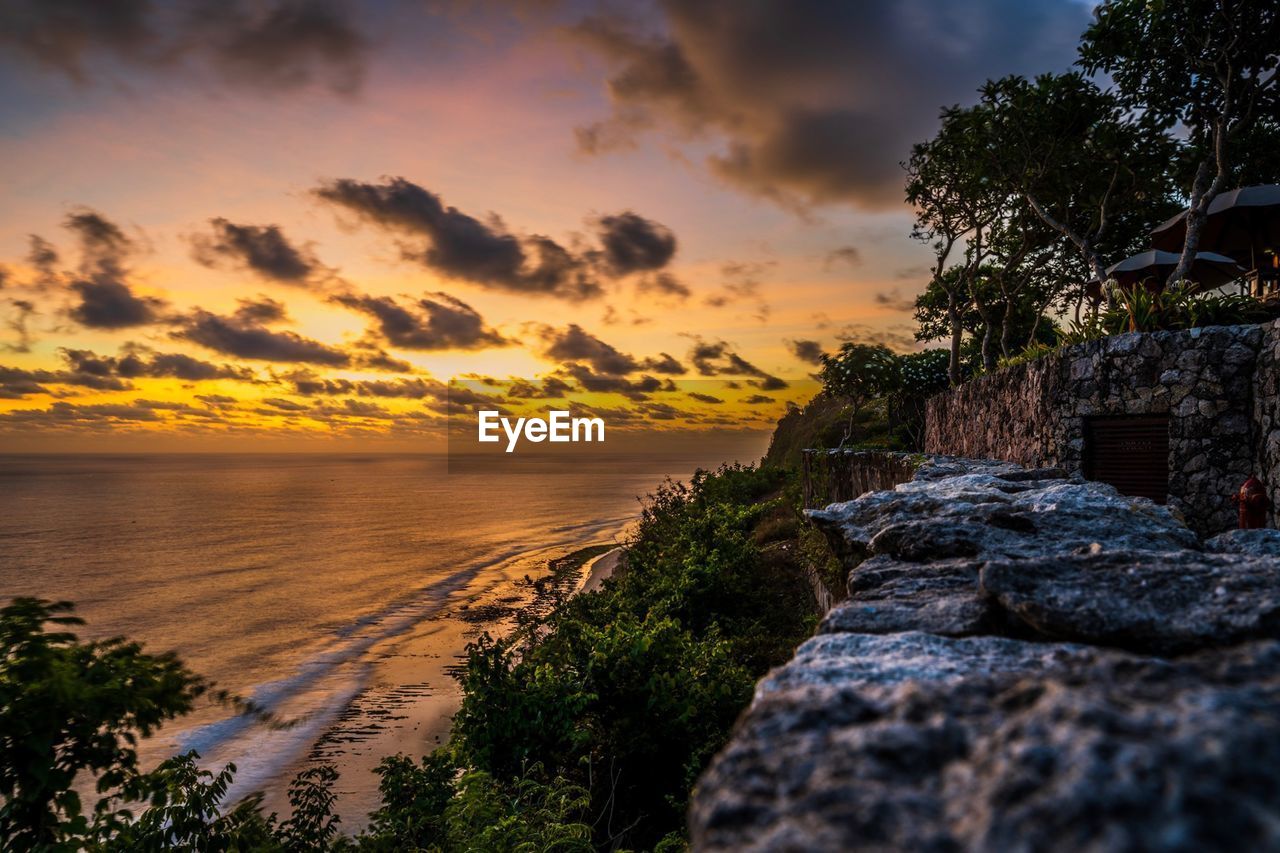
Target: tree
(1086,166)
(955,204)
(68,707)
(1208,66)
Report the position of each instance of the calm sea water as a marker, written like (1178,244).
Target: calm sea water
(283,578)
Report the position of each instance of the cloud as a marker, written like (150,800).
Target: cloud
(268,46)
(635,389)
(899,337)
(894,302)
(243,335)
(717,358)
(437,321)
(260,249)
(850,255)
(106,304)
(635,244)
(308,384)
(575,344)
(23,311)
(664,363)
(665,284)
(42,255)
(814,102)
(809,352)
(462,247)
(106,298)
(758,399)
(705,398)
(742,283)
(137,362)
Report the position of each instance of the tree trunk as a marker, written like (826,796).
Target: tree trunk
(1005,326)
(957,332)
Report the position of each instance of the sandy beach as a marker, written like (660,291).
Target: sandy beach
(600,569)
(411,696)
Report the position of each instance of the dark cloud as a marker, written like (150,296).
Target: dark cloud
(635,244)
(705,398)
(717,358)
(462,247)
(42,255)
(65,413)
(106,304)
(243,336)
(758,399)
(894,302)
(635,389)
(260,249)
(899,337)
(768,383)
(106,298)
(139,362)
(665,363)
(809,352)
(16,383)
(575,344)
(272,46)
(437,321)
(18,323)
(664,283)
(549,388)
(850,255)
(815,102)
(375,358)
(308,384)
(742,284)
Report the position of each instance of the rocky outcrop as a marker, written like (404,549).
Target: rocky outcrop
(1025,662)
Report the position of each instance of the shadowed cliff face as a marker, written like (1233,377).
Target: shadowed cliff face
(1025,661)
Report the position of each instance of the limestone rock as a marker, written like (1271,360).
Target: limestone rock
(1160,603)
(917,742)
(888,595)
(1261,543)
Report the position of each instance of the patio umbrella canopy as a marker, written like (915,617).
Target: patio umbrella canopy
(1243,223)
(1209,269)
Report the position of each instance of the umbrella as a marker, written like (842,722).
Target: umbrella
(1243,223)
(1209,269)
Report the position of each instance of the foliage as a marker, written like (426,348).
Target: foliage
(67,708)
(859,372)
(1031,353)
(629,691)
(1206,68)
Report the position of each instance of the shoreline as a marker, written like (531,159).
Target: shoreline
(601,568)
(410,698)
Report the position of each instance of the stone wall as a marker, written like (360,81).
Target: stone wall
(1220,396)
(1266,415)
(1025,661)
(835,475)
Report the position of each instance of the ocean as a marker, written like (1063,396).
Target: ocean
(335,590)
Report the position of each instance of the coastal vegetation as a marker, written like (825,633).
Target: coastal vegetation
(584,729)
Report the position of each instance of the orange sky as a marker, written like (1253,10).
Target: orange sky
(120,155)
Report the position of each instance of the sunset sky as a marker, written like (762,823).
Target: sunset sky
(289,222)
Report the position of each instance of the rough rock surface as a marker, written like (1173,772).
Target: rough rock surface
(1161,603)
(940,709)
(1261,543)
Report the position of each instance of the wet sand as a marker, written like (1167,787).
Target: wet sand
(411,696)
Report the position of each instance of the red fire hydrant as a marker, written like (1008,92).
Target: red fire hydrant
(1253,503)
